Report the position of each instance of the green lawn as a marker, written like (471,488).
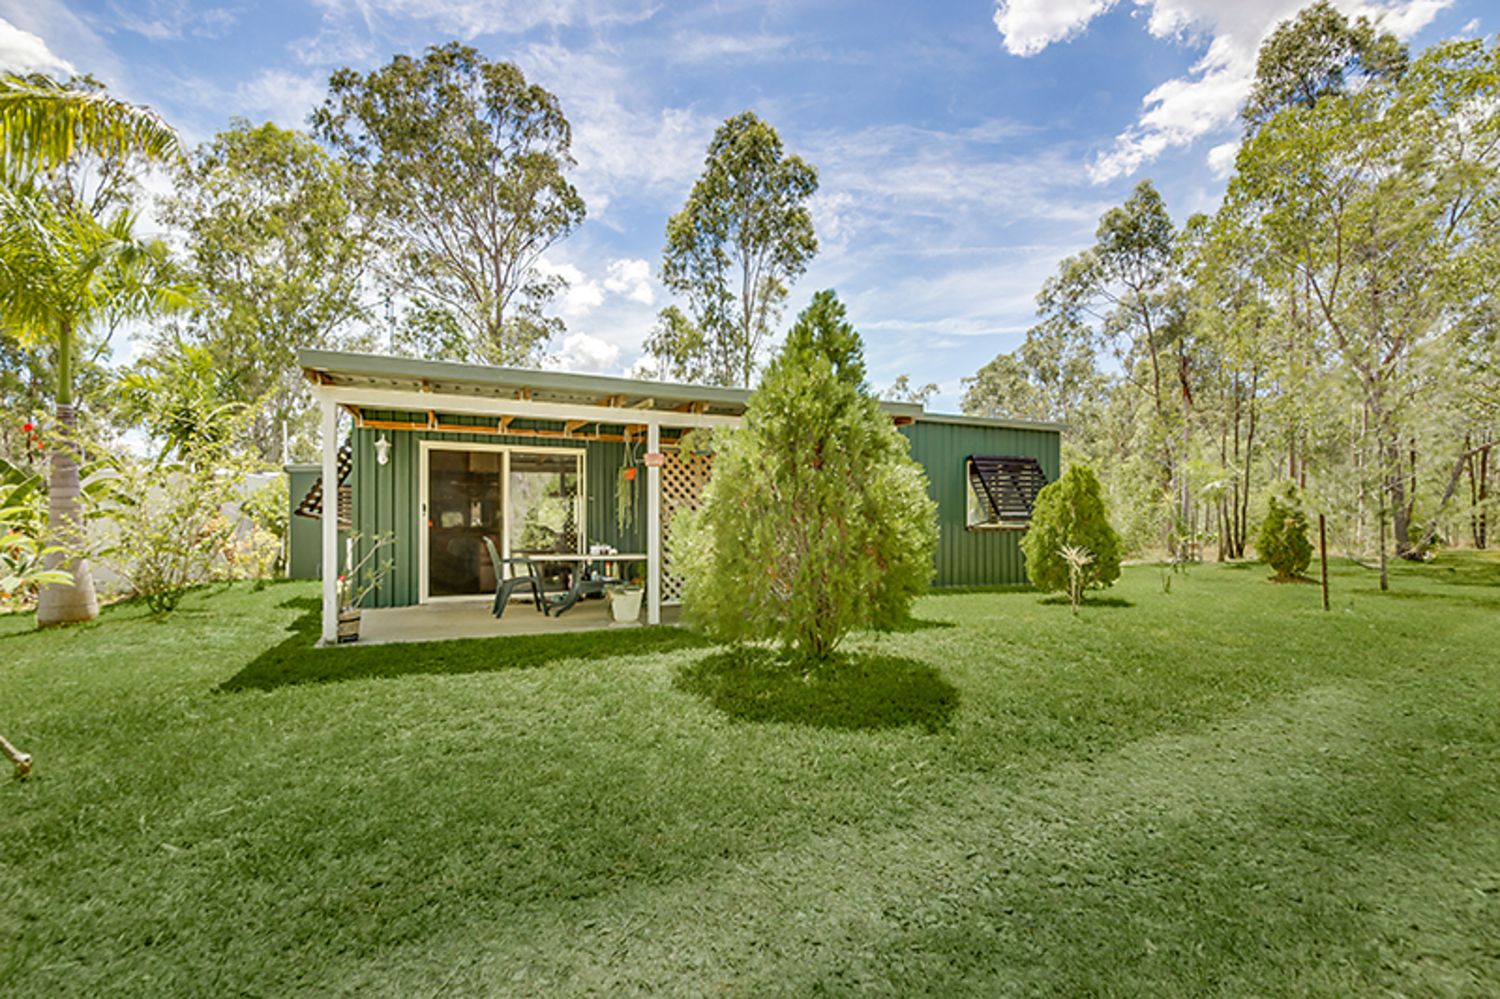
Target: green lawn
(1217,791)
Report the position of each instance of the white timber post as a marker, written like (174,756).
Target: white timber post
(653,526)
(330,519)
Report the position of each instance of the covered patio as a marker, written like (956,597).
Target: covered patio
(472,619)
(472,469)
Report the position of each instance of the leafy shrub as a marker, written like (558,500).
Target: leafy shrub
(1282,543)
(176,523)
(24,558)
(1069,513)
(816,521)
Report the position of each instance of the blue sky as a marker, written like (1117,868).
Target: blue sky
(963,147)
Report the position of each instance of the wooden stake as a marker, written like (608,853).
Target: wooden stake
(21,760)
(1323,554)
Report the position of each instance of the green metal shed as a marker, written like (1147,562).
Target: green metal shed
(443,456)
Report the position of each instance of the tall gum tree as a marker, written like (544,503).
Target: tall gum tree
(1372,201)
(743,236)
(463,165)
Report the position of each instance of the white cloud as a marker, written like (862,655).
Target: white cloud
(1207,99)
(703,47)
(1028,26)
(1221,158)
(286,98)
(631,278)
(580,296)
(624,145)
(582,352)
(72,41)
(160,20)
(24,52)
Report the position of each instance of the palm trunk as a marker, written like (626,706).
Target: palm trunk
(64,604)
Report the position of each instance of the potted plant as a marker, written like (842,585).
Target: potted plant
(625,599)
(358,581)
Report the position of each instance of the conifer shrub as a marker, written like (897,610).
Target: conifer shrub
(1069,513)
(1282,542)
(816,521)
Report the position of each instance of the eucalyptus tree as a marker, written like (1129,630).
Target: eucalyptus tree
(463,165)
(63,271)
(1231,316)
(280,251)
(1053,375)
(1127,290)
(1371,200)
(744,234)
(1317,53)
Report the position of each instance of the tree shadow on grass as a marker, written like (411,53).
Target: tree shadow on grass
(918,624)
(852,692)
(1062,601)
(296,660)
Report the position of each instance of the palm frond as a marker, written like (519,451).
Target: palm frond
(44,124)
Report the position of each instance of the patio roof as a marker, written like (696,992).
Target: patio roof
(564,388)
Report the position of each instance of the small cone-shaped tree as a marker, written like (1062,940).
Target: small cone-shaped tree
(1069,513)
(1282,543)
(817,521)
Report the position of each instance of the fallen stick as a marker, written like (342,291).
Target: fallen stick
(20,759)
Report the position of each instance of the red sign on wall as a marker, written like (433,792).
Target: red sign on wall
(655,459)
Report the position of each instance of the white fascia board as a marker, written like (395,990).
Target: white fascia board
(473,405)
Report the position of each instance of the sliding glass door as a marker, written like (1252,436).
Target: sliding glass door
(525,501)
(543,508)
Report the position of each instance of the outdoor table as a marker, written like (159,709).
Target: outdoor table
(580,587)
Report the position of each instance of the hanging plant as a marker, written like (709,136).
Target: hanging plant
(625,492)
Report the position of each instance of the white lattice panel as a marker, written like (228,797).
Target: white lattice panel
(682,480)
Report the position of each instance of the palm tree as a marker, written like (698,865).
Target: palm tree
(62,270)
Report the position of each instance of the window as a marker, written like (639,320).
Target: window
(1002,490)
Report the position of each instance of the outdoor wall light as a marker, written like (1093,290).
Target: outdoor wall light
(382,451)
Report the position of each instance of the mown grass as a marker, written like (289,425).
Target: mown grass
(1221,790)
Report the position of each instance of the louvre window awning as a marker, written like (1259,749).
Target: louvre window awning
(312,504)
(1006,486)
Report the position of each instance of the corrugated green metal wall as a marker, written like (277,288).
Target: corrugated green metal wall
(964,557)
(304,535)
(387,497)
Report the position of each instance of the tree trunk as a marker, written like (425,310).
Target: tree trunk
(1419,550)
(63,604)
(1478,467)
(1385,578)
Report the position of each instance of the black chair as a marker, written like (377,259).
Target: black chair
(505,587)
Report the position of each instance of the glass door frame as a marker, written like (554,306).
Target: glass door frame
(426,447)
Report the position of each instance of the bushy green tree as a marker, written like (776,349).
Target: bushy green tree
(463,164)
(816,521)
(1069,513)
(1282,543)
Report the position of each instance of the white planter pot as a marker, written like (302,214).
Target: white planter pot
(625,604)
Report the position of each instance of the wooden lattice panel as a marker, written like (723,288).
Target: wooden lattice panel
(682,480)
